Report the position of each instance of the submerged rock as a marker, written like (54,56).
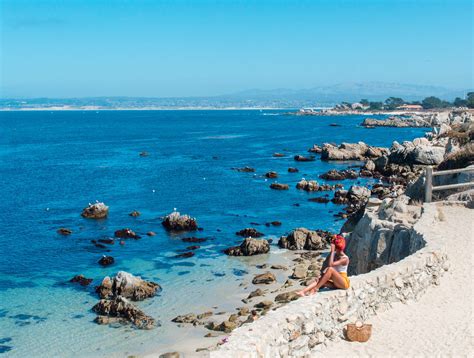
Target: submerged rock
(184,255)
(322,200)
(126,234)
(193,239)
(81,279)
(95,211)
(127,285)
(120,308)
(249,232)
(249,247)
(278,186)
(245,169)
(64,231)
(302,158)
(302,239)
(271,175)
(293,170)
(134,213)
(177,222)
(106,260)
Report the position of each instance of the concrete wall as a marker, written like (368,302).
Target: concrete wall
(299,327)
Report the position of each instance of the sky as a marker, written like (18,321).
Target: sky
(154,48)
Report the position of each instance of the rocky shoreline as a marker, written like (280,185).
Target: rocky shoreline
(388,205)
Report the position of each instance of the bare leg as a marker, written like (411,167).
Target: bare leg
(334,276)
(308,288)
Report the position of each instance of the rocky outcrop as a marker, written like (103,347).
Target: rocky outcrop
(351,151)
(420,152)
(335,174)
(127,285)
(302,239)
(121,310)
(399,122)
(249,232)
(249,247)
(312,185)
(383,235)
(95,211)
(177,222)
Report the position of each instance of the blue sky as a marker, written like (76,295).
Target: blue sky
(190,48)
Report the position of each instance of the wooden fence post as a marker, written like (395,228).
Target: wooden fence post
(428,184)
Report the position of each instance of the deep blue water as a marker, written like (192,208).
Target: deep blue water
(52,164)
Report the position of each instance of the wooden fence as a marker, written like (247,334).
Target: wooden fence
(429,174)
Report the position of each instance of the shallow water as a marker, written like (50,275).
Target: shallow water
(52,164)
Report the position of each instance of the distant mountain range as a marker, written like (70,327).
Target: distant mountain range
(255,98)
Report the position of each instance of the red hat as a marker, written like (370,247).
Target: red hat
(339,242)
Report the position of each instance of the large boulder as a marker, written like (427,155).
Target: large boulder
(264,278)
(357,194)
(302,239)
(416,152)
(95,211)
(121,310)
(351,151)
(177,222)
(384,236)
(249,247)
(127,285)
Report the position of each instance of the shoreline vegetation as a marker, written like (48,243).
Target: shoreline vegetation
(391,204)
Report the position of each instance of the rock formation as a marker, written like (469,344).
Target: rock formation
(121,310)
(383,235)
(302,239)
(95,211)
(126,285)
(126,234)
(177,222)
(249,247)
(335,174)
(351,151)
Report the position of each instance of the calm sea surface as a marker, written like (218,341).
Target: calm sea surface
(52,164)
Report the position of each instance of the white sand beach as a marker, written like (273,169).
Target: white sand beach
(440,324)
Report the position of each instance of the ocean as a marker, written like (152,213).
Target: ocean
(52,164)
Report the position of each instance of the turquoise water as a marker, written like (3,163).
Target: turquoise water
(52,164)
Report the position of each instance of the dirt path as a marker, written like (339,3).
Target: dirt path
(441,323)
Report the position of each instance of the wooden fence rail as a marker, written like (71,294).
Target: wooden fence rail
(429,174)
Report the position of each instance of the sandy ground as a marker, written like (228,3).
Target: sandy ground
(441,323)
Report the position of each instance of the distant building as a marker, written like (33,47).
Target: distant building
(410,107)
